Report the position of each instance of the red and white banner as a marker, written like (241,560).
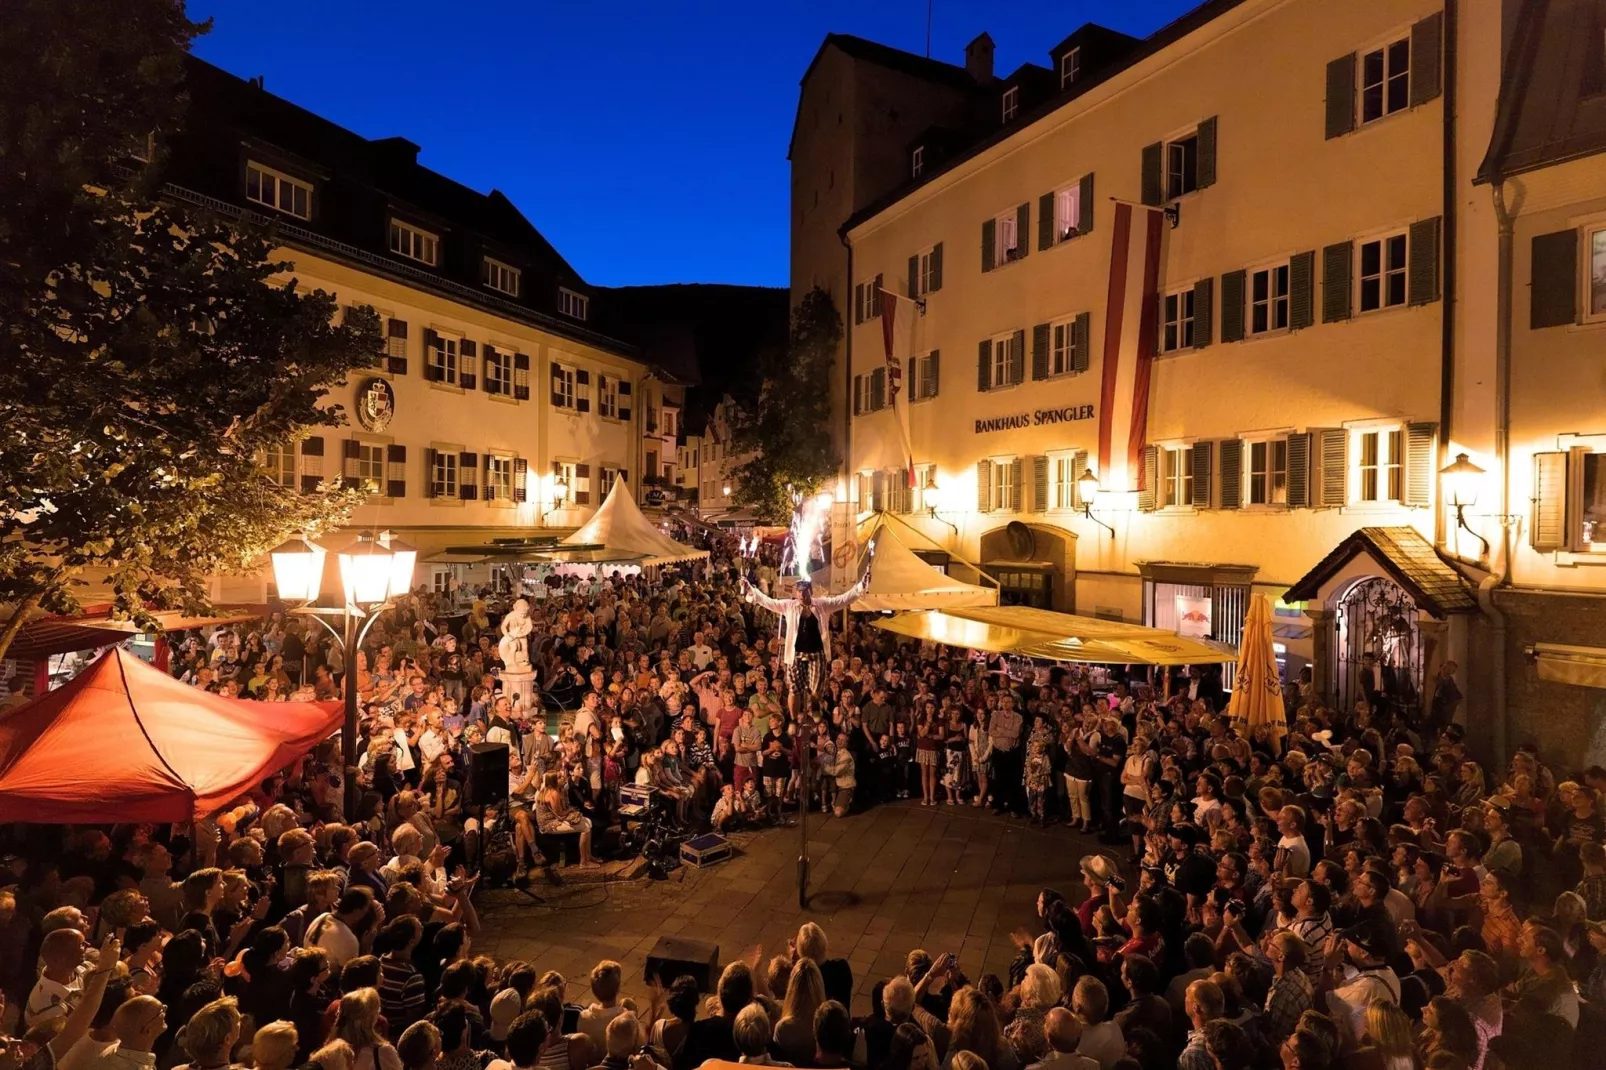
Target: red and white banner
(1131,327)
(891,341)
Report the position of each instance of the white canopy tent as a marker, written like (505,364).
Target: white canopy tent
(619,527)
(900,580)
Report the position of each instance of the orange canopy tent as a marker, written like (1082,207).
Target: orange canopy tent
(124,741)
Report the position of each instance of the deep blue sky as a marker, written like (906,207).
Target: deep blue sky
(645,138)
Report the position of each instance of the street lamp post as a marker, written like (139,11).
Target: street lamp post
(372,571)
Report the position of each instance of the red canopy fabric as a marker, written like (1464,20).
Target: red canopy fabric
(126,742)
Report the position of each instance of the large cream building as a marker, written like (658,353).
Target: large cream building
(1322,330)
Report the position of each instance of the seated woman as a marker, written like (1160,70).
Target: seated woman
(554,816)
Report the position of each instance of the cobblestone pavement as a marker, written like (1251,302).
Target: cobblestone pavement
(946,878)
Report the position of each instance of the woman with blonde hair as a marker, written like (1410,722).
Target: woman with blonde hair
(1388,1040)
(335,1055)
(1039,993)
(974,1031)
(358,1025)
(794,1032)
(273,1047)
(210,1035)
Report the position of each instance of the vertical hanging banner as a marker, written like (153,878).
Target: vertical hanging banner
(1131,327)
(893,344)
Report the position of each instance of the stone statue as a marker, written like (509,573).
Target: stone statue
(515,645)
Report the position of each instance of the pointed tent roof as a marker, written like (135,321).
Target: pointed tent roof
(901,580)
(618,525)
(124,741)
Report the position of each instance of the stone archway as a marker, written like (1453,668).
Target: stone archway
(1051,551)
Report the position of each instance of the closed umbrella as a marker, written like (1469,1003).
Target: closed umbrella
(1257,693)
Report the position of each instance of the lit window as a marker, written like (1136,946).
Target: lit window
(499,276)
(1386,80)
(1268,300)
(1380,467)
(414,244)
(1176,476)
(277,190)
(1593,514)
(574,305)
(1005,239)
(1011,102)
(923,377)
(371,466)
(1181,166)
(280,463)
(1595,270)
(443,359)
(1006,490)
(1007,364)
(443,474)
(1070,67)
(917,161)
(608,400)
(1067,212)
(562,387)
(1383,273)
(1062,482)
(1268,472)
(498,478)
(498,370)
(1176,321)
(1062,347)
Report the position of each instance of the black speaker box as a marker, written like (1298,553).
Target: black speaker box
(487,773)
(671,956)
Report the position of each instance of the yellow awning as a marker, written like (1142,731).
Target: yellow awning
(1561,664)
(1040,633)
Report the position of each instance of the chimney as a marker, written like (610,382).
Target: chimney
(395,151)
(259,82)
(979,59)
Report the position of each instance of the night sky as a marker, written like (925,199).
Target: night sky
(646,138)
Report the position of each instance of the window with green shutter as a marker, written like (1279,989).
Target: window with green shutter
(1336,261)
(1301,290)
(1423,282)
(1232,470)
(1232,306)
(1341,96)
(1553,279)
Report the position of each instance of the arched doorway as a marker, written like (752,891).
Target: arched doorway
(1376,616)
(1034,565)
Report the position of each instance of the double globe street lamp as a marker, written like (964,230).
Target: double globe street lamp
(373,570)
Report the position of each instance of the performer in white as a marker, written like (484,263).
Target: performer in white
(808,632)
(515,645)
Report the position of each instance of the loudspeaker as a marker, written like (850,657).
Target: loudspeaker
(487,773)
(672,956)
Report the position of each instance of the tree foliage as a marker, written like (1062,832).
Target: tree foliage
(149,353)
(790,426)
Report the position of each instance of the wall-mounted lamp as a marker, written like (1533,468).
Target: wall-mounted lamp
(1087,487)
(935,498)
(560,492)
(1460,479)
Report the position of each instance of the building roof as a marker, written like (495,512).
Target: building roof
(1552,89)
(1410,561)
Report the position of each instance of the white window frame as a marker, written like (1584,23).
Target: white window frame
(608,398)
(503,278)
(280,463)
(1579,448)
(1011,103)
(1387,472)
(1589,232)
(917,161)
(670,418)
(918,369)
(1070,66)
(999,375)
(1005,495)
(1175,470)
(570,390)
(1062,480)
(573,304)
(443,474)
(565,472)
(923,266)
(1385,274)
(1067,212)
(1174,164)
(925,480)
(1272,496)
(498,478)
(447,348)
(1389,76)
(496,367)
(1177,318)
(281,182)
(371,466)
(1061,346)
(414,242)
(1005,240)
(1275,302)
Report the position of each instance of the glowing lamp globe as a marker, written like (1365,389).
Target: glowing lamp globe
(1461,478)
(403,559)
(298,569)
(366,571)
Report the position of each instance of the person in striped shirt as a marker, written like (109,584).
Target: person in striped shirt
(402,996)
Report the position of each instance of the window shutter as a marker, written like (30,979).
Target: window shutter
(350,455)
(1553,293)
(1207,153)
(878,390)
(1427,45)
(1045,221)
(1040,351)
(1081,336)
(311,469)
(933,374)
(936,267)
(1023,230)
(1299,473)
(1153,179)
(1084,206)
(1017,356)
(582,497)
(521,479)
(858,395)
(468,470)
(467,358)
(1201,458)
(1232,306)
(989,238)
(1333,444)
(914,275)
(1301,290)
(491,356)
(873,299)
(557,385)
(582,390)
(878,492)
(1039,484)
(1419,464)
(858,304)
(1204,308)
(396,471)
(1232,472)
(1337,260)
(429,473)
(1078,466)
(397,329)
(1341,96)
(1423,271)
(1547,525)
(521,377)
(984,361)
(1149,479)
(984,486)
(485,481)
(1016,486)
(431,372)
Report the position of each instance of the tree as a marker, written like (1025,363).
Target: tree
(150,355)
(788,430)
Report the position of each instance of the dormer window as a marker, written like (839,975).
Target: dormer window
(501,277)
(1070,67)
(414,243)
(573,305)
(1011,102)
(277,190)
(917,161)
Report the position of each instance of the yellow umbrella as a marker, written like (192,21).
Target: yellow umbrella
(1257,692)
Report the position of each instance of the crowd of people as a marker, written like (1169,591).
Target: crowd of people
(1356,892)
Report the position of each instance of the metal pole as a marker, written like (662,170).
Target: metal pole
(348,728)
